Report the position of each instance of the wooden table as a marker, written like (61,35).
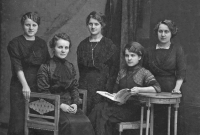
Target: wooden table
(159,98)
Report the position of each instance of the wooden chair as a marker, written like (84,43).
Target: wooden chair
(37,110)
(43,111)
(132,125)
(83,97)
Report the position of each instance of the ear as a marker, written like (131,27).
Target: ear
(140,57)
(53,51)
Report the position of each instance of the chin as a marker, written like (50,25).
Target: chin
(62,57)
(31,35)
(131,65)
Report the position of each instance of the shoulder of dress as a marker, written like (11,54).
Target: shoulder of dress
(40,39)
(122,71)
(84,41)
(144,71)
(109,46)
(108,41)
(69,63)
(82,44)
(15,41)
(45,67)
(178,46)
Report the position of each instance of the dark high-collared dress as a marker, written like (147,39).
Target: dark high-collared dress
(26,56)
(98,67)
(105,115)
(58,77)
(167,65)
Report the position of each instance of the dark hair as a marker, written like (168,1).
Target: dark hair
(98,16)
(58,36)
(31,15)
(171,25)
(135,47)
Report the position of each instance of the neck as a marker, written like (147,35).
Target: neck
(131,68)
(58,59)
(29,38)
(96,38)
(164,44)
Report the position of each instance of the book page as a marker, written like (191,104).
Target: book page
(106,94)
(121,96)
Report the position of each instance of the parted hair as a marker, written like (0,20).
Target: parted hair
(135,47)
(58,36)
(171,25)
(98,16)
(31,15)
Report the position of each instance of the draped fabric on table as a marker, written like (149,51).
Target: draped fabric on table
(124,17)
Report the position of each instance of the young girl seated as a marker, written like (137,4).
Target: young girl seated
(134,77)
(58,77)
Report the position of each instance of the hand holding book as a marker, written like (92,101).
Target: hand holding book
(121,96)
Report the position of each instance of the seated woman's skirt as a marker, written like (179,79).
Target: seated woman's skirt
(74,124)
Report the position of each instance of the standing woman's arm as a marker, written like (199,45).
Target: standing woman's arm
(113,69)
(180,69)
(16,65)
(25,88)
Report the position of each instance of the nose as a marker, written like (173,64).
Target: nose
(163,33)
(63,50)
(31,27)
(129,58)
(93,25)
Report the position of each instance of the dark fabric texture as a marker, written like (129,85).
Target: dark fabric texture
(97,68)
(106,114)
(26,56)
(167,65)
(51,82)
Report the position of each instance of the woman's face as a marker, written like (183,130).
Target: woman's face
(30,28)
(164,34)
(131,58)
(94,27)
(61,49)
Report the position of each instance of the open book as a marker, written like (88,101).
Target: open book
(121,96)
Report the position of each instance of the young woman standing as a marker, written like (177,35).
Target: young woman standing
(97,60)
(27,52)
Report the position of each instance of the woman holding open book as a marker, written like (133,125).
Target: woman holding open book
(133,77)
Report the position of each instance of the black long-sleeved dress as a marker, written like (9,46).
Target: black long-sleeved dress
(26,56)
(105,114)
(98,67)
(64,84)
(167,65)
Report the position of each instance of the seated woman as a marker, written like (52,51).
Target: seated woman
(133,76)
(58,77)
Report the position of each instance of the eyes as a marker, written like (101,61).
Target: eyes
(163,31)
(62,47)
(29,25)
(130,55)
(93,24)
